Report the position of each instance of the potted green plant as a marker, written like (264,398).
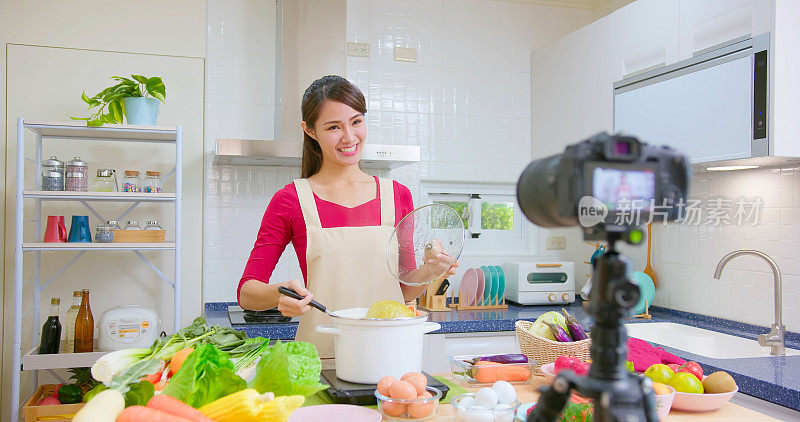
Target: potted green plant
(137,98)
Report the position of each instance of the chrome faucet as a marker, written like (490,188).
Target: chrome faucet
(775,338)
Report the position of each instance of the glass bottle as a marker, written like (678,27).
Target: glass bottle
(77,175)
(72,315)
(131,182)
(103,234)
(152,182)
(84,326)
(153,225)
(113,225)
(132,225)
(106,181)
(52,174)
(51,330)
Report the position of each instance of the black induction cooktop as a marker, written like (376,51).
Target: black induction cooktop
(239,316)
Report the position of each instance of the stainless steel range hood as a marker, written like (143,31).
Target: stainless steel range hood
(251,152)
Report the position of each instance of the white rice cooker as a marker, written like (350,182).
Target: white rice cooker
(128,327)
(366,349)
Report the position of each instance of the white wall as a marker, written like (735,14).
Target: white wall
(465,102)
(55,51)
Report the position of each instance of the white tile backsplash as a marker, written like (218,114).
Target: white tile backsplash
(465,102)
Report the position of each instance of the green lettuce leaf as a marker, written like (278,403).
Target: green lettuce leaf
(206,375)
(287,369)
(139,394)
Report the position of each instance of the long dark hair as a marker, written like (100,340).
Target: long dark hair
(329,87)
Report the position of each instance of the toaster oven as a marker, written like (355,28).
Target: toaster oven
(540,283)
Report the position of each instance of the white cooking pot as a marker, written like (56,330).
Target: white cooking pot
(367,349)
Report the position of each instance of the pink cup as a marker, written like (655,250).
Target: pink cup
(56,231)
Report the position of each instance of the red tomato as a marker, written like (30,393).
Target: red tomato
(692,368)
(674,366)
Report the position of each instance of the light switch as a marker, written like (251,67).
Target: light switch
(358,49)
(405,54)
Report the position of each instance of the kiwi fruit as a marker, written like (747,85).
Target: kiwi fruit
(719,382)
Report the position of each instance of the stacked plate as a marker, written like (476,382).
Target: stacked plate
(483,286)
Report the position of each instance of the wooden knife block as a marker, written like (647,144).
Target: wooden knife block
(432,302)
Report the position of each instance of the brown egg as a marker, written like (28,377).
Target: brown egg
(402,390)
(418,380)
(421,409)
(384,383)
(393,409)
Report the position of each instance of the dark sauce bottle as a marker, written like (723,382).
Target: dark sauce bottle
(51,330)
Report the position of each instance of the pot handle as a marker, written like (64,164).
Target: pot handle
(328,329)
(430,326)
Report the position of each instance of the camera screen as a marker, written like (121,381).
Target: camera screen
(619,188)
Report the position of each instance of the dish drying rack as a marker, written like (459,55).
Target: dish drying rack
(493,303)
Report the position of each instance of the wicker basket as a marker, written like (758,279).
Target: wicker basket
(544,351)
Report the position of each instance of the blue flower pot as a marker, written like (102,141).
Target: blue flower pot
(140,110)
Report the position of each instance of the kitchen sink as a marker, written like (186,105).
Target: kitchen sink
(700,341)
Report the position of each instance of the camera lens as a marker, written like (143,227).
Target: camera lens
(537,193)
(626,295)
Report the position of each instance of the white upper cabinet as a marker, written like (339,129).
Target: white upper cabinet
(645,36)
(572,89)
(708,23)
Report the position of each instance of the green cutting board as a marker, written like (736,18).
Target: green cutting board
(323,397)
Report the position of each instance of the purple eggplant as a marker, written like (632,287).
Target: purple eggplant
(510,358)
(558,332)
(575,329)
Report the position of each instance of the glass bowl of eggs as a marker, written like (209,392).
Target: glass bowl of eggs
(407,399)
(497,403)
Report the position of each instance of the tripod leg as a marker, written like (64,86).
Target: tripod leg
(649,398)
(551,402)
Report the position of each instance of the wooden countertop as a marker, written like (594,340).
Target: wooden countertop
(526,393)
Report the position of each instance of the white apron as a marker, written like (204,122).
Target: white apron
(346,266)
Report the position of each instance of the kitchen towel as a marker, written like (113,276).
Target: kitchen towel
(644,354)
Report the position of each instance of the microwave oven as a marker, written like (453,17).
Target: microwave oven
(540,283)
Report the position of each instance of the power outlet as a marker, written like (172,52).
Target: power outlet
(556,243)
(358,49)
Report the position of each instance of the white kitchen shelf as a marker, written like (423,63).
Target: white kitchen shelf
(33,361)
(86,246)
(99,196)
(108,132)
(78,133)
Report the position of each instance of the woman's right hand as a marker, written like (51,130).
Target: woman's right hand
(291,307)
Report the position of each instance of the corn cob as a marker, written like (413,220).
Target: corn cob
(279,409)
(241,406)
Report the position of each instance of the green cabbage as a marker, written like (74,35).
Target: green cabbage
(206,375)
(541,329)
(288,369)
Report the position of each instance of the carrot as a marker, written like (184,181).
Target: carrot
(153,378)
(489,372)
(177,359)
(146,414)
(176,407)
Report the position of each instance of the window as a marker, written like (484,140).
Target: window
(490,213)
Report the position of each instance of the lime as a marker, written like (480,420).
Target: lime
(388,309)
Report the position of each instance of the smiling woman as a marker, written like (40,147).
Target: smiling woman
(338,218)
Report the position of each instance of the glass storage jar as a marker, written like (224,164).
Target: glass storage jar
(113,224)
(106,181)
(104,234)
(77,175)
(153,225)
(132,225)
(131,183)
(52,181)
(152,182)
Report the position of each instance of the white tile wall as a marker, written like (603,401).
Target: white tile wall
(465,102)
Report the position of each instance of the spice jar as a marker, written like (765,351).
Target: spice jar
(132,225)
(131,183)
(152,182)
(106,181)
(153,225)
(113,225)
(104,234)
(77,175)
(52,181)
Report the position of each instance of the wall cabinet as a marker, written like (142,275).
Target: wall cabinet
(645,36)
(437,348)
(707,23)
(572,88)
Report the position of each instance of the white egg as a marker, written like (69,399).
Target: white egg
(467,401)
(505,392)
(486,397)
(476,416)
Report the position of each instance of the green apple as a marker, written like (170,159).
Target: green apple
(659,373)
(685,382)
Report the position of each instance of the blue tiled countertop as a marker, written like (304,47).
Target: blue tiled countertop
(775,379)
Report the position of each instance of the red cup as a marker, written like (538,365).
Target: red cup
(56,231)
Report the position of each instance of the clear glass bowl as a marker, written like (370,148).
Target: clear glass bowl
(465,413)
(475,375)
(409,410)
